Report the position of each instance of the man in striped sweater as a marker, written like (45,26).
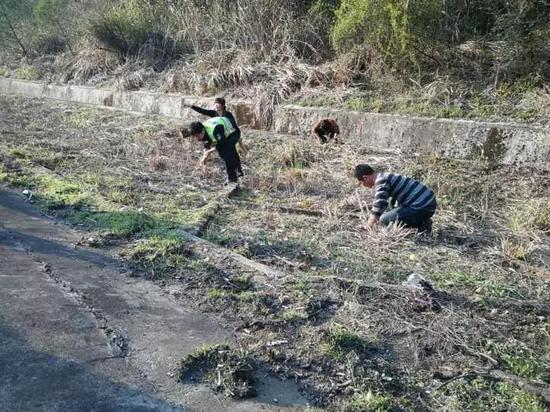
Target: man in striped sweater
(413,204)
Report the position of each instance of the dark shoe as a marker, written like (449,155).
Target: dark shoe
(426,227)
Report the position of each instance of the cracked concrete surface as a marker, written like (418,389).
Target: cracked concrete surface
(76,334)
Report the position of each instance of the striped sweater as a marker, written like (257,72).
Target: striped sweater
(403,191)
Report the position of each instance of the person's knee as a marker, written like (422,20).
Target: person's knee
(386,219)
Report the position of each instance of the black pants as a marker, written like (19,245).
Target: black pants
(414,218)
(228,152)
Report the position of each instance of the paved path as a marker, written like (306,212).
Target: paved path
(76,334)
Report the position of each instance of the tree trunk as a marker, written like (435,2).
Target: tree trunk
(12,29)
(64,34)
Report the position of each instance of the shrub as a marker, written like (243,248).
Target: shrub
(392,27)
(50,44)
(27,73)
(53,15)
(135,28)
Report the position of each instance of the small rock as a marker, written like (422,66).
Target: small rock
(417,281)
(46,268)
(28,194)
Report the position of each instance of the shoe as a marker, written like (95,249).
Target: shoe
(426,227)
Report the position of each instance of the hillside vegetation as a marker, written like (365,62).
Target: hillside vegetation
(471,58)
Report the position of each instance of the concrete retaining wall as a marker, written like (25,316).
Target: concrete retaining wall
(507,143)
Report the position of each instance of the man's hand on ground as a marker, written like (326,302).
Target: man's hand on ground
(373,222)
(205,156)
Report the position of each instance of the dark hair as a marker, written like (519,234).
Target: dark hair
(363,170)
(195,128)
(325,125)
(220,100)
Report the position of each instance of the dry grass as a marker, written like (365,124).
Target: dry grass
(488,258)
(90,63)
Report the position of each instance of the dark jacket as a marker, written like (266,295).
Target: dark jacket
(213,113)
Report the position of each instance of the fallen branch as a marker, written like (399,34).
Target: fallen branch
(542,308)
(256,266)
(344,283)
(213,208)
(285,209)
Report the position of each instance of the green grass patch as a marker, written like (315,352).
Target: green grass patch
(20,153)
(56,193)
(520,361)
(369,401)
(541,218)
(479,284)
(119,223)
(21,181)
(302,286)
(217,293)
(522,400)
(159,255)
(247,296)
(242,282)
(338,341)
(481,395)
(293,315)
(82,118)
(215,234)
(364,104)
(27,73)
(77,201)
(4,71)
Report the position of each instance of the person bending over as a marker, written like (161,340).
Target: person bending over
(326,129)
(220,110)
(218,134)
(413,203)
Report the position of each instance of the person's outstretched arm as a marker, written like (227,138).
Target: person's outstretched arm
(206,112)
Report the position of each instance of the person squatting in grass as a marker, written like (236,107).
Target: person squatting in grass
(220,110)
(218,134)
(326,129)
(413,204)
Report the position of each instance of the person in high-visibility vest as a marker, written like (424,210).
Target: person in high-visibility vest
(218,134)
(220,110)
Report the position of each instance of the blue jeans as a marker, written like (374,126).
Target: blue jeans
(414,218)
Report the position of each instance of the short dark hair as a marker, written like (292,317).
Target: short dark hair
(363,170)
(220,100)
(195,128)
